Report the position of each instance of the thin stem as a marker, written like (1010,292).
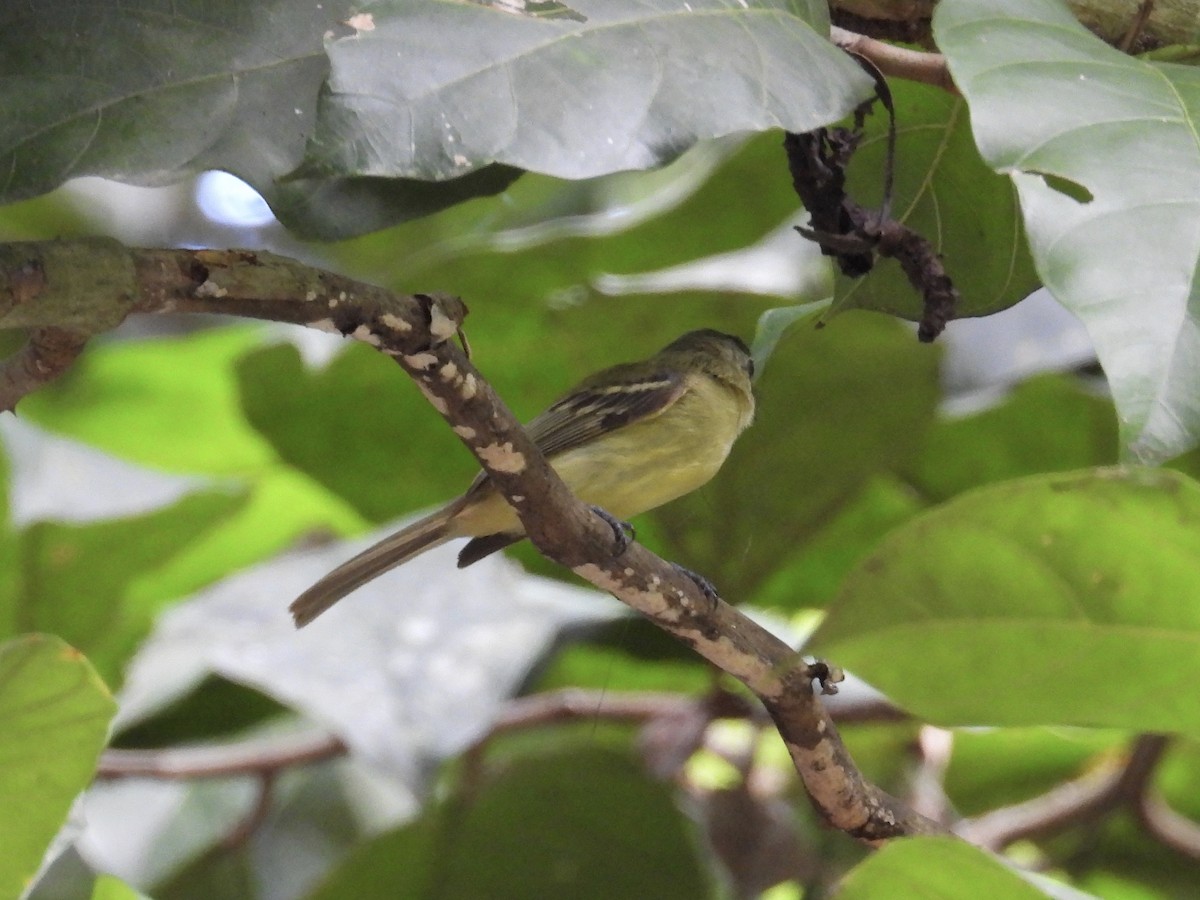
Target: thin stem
(897,62)
(1089,798)
(257,757)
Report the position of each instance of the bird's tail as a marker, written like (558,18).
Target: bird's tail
(432,531)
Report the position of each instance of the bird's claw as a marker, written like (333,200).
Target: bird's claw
(707,588)
(623,532)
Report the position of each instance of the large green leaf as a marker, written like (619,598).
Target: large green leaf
(553,260)
(563,243)
(628,654)
(944,190)
(357,426)
(1050,423)
(934,868)
(99,585)
(148,93)
(1068,599)
(836,406)
(812,569)
(55,712)
(993,767)
(575,822)
(1104,151)
(433,89)
(170,403)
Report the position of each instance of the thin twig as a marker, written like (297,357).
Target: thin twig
(897,62)
(1091,797)
(1168,827)
(258,813)
(928,792)
(257,757)
(573,704)
(260,755)
(1136,26)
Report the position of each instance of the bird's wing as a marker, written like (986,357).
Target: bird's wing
(605,403)
(602,403)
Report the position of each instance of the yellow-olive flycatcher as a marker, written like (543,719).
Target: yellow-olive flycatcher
(626,440)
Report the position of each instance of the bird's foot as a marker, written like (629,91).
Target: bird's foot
(707,588)
(623,532)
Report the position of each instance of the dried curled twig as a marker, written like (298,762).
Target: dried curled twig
(854,234)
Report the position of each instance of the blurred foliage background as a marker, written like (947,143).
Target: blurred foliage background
(943,517)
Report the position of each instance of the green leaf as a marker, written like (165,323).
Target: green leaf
(934,868)
(629,654)
(214,709)
(173,403)
(5,488)
(946,192)
(232,86)
(993,767)
(331,209)
(281,507)
(55,712)
(574,240)
(578,822)
(1178,779)
(824,428)
(1049,99)
(774,324)
(539,208)
(143,92)
(108,887)
(1059,599)
(1013,439)
(169,403)
(358,427)
(96,584)
(433,90)
(811,575)
(230,873)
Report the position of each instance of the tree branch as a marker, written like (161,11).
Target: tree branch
(1089,798)
(258,757)
(47,353)
(572,534)
(897,62)
(1168,827)
(67,291)
(416,331)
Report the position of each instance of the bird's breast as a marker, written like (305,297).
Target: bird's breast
(652,462)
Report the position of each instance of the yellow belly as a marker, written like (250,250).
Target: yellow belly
(635,468)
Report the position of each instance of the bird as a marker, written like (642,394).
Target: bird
(626,439)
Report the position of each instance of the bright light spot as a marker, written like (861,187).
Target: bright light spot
(228,200)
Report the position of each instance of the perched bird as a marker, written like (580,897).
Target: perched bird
(626,439)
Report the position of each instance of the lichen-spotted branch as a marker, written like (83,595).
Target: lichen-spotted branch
(418,331)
